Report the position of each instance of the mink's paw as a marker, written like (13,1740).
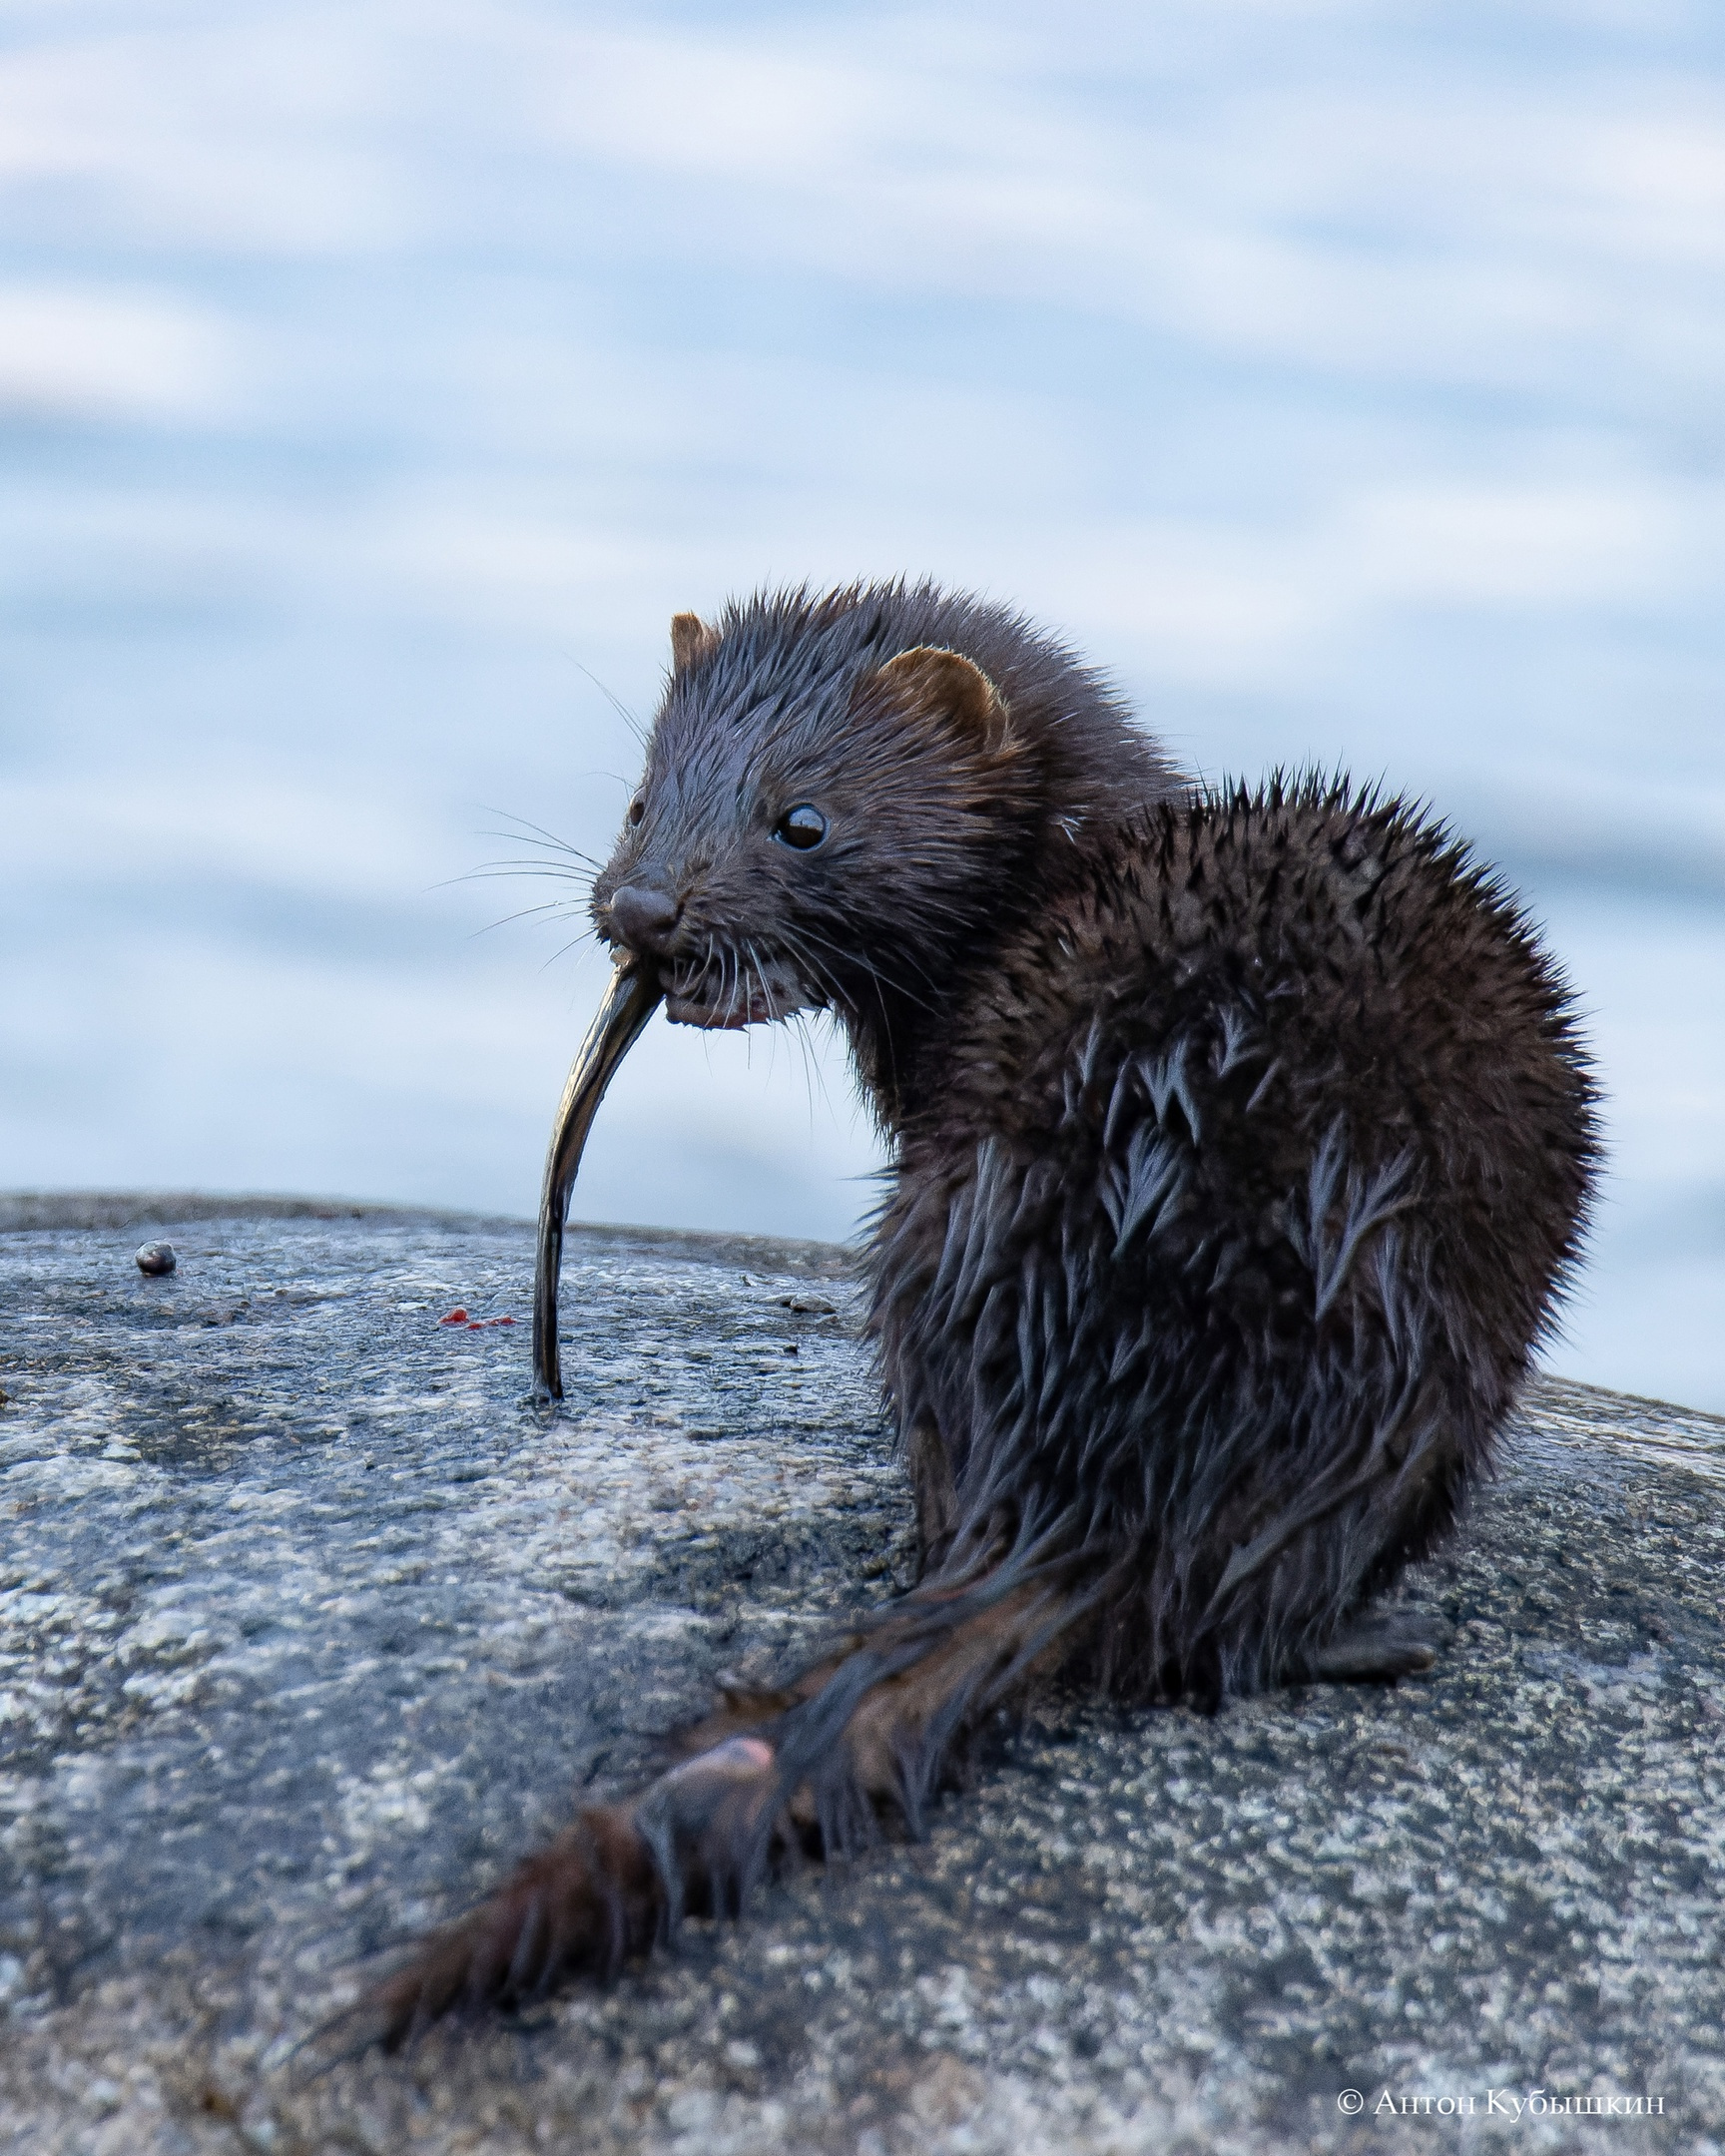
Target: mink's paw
(1375,1650)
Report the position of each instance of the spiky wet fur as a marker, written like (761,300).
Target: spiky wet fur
(1243,1143)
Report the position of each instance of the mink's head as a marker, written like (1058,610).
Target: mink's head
(832,805)
(849,802)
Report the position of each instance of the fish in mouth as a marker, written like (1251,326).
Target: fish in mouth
(715,995)
(632,998)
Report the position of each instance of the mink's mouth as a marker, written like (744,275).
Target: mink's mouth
(728,992)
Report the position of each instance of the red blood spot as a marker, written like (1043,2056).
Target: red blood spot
(455,1316)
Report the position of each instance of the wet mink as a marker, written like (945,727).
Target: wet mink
(1242,1143)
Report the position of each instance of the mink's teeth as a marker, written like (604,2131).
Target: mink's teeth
(711,995)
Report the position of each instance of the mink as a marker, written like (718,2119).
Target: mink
(1242,1142)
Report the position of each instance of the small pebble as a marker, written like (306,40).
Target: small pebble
(157,1258)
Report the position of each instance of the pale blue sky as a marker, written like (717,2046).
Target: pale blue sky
(1344,378)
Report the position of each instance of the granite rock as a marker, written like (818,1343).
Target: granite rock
(310,1623)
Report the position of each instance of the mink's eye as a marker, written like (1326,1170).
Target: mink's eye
(637,810)
(803,827)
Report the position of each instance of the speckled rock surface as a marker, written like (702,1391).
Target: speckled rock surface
(308,1624)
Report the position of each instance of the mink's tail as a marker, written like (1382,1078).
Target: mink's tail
(867,1733)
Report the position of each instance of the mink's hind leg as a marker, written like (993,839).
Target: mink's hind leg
(1325,1531)
(1373,1648)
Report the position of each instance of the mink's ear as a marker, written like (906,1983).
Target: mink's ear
(691,639)
(932,680)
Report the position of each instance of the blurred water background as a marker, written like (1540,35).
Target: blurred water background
(376,380)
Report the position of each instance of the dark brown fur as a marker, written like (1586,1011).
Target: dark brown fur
(1242,1144)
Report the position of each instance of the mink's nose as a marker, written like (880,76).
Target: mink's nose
(644,916)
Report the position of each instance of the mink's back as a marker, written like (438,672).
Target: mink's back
(1313,960)
(1394,981)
